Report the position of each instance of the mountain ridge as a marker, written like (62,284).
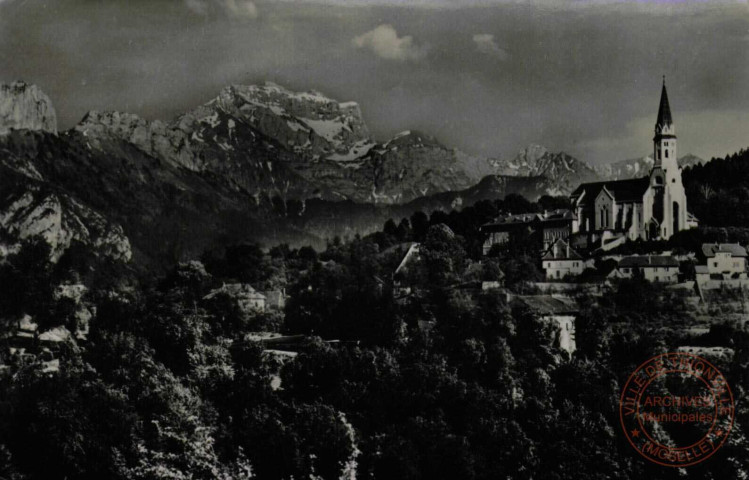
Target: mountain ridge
(256,163)
(638,167)
(563,171)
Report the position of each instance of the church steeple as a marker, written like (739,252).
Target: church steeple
(664,125)
(664,142)
(669,204)
(664,110)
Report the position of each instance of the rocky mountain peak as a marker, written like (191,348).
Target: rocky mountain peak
(564,171)
(24,106)
(302,121)
(532,153)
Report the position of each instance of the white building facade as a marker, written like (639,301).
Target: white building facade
(561,261)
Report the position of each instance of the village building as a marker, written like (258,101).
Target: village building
(721,261)
(248,299)
(275,299)
(559,310)
(654,268)
(607,214)
(560,261)
(547,226)
(648,208)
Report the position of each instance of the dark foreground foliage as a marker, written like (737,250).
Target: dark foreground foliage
(444,383)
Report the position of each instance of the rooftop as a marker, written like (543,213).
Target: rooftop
(525,218)
(645,261)
(561,250)
(548,304)
(622,190)
(664,109)
(710,249)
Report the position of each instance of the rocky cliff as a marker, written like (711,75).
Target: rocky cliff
(25,106)
(273,142)
(413,165)
(30,206)
(306,122)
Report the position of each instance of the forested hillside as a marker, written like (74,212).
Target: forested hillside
(446,383)
(718,191)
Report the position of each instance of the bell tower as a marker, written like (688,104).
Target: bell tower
(669,199)
(664,142)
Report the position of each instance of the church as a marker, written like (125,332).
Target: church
(649,208)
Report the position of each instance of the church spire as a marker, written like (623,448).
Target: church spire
(664,111)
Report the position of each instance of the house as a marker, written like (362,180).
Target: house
(548,226)
(654,268)
(722,261)
(653,207)
(561,260)
(248,299)
(275,299)
(560,310)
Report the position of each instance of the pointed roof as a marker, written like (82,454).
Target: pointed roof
(648,261)
(561,250)
(664,110)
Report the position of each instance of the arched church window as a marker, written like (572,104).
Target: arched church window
(666,153)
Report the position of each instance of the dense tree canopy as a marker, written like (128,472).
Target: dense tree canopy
(438,380)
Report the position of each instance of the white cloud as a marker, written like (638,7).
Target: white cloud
(241,9)
(486,44)
(385,43)
(197,6)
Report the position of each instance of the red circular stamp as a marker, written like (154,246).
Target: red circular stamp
(676,409)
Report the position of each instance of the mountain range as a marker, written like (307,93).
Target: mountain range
(256,163)
(638,167)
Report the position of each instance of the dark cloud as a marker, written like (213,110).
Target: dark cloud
(584,79)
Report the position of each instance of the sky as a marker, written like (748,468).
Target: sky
(486,76)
